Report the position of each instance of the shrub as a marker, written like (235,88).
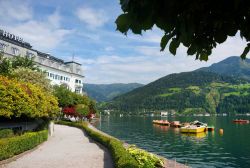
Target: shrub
(121,157)
(6,133)
(25,99)
(16,145)
(144,158)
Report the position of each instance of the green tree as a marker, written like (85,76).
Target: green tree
(24,99)
(7,65)
(24,62)
(64,96)
(198,25)
(31,76)
(82,109)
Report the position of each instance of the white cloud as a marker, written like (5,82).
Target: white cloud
(150,51)
(145,67)
(14,10)
(43,35)
(92,17)
(55,19)
(109,48)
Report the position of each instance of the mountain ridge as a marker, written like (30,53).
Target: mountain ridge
(232,66)
(208,89)
(106,92)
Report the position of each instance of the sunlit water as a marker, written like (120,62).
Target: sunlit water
(232,149)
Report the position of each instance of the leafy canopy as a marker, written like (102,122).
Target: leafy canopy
(66,98)
(7,65)
(33,77)
(25,99)
(198,25)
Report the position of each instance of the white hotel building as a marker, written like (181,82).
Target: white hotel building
(58,71)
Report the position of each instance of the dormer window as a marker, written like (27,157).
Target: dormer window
(15,51)
(30,54)
(3,47)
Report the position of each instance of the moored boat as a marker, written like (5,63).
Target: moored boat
(161,122)
(194,127)
(176,124)
(240,121)
(196,135)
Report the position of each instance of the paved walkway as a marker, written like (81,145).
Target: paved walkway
(67,148)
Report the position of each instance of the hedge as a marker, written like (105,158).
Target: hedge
(18,144)
(120,156)
(6,133)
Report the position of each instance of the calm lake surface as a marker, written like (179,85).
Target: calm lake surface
(232,149)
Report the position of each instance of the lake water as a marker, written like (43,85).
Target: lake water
(232,149)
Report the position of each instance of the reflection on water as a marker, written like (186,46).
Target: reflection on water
(161,127)
(231,149)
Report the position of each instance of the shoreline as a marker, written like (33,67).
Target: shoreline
(168,163)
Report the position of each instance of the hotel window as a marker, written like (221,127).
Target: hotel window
(76,81)
(52,75)
(30,54)
(78,90)
(3,47)
(61,78)
(15,51)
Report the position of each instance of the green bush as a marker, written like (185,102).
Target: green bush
(144,158)
(120,156)
(16,145)
(6,133)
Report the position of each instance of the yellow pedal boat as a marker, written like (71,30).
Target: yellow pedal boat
(193,129)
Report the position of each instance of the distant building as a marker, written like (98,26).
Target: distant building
(58,71)
(164,113)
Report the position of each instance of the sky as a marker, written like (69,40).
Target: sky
(86,30)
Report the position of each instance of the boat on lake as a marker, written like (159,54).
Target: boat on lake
(197,135)
(194,127)
(161,122)
(240,121)
(175,124)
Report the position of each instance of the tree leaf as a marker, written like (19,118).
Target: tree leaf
(173,46)
(203,56)
(164,41)
(191,50)
(123,23)
(220,37)
(245,52)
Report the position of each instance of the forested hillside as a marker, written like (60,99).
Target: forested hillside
(106,92)
(188,92)
(231,66)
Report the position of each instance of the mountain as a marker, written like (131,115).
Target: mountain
(106,92)
(188,93)
(232,66)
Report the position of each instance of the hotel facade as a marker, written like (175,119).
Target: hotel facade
(58,71)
